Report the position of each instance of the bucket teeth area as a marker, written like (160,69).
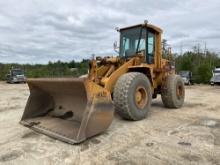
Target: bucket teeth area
(67,109)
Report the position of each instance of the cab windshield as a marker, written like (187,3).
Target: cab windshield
(17,72)
(184,74)
(132,41)
(216,71)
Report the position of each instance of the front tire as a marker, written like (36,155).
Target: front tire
(173,92)
(132,96)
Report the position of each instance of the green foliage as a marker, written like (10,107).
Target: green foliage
(200,64)
(52,69)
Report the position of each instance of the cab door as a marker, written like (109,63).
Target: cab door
(150,47)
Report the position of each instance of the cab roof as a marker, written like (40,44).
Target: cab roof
(150,26)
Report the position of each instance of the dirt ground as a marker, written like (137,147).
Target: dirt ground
(190,135)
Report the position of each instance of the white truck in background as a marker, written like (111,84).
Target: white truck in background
(215,76)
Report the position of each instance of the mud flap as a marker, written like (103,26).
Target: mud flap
(67,109)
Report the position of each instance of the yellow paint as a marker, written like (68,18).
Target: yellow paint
(108,70)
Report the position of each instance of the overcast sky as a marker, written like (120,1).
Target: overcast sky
(36,31)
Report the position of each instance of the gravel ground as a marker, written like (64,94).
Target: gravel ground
(190,135)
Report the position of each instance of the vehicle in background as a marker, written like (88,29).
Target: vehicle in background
(215,76)
(186,76)
(16,76)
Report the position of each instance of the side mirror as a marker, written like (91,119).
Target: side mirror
(116,47)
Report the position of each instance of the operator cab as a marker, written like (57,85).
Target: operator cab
(139,39)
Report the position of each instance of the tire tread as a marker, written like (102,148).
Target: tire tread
(121,93)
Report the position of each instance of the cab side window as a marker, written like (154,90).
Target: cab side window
(151,47)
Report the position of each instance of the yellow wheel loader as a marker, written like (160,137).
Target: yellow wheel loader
(74,109)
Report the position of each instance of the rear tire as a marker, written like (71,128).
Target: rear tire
(173,92)
(132,96)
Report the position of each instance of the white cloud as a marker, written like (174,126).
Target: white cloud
(37,31)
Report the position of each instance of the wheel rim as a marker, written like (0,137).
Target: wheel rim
(179,91)
(141,97)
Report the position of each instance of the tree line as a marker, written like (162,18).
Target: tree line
(200,64)
(52,69)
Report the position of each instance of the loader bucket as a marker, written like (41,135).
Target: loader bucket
(67,109)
